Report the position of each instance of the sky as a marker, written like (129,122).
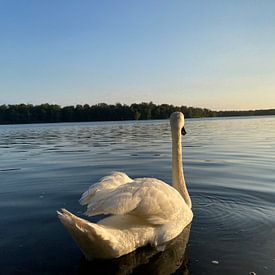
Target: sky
(213,54)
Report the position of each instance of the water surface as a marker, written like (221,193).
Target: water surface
(229,168)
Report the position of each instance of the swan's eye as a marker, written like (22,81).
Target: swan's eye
(183,132)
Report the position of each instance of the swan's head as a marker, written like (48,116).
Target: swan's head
(177,122)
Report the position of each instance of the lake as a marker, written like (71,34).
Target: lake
(229,166)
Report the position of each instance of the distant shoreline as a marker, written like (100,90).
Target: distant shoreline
(51,113)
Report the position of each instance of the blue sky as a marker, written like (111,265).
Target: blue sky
(214,54)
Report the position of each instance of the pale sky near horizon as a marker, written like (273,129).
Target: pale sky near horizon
(214,54)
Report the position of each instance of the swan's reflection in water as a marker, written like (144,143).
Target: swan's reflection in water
(147,260)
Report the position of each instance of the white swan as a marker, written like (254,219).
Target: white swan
(143,211)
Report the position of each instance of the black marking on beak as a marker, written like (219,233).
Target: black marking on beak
(183,132)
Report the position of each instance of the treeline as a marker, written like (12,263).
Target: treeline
(268,112)
(45,113)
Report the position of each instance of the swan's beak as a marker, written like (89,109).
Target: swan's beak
(183,132)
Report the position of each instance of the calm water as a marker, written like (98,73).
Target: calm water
(229,168)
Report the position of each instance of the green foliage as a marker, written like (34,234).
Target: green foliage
(246,113)
(27,113)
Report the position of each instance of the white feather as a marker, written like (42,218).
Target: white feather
(104,186)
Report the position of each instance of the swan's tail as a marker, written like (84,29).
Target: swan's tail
(95,241)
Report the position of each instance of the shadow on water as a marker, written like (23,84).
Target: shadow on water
(172,260)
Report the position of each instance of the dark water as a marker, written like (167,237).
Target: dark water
(229,167)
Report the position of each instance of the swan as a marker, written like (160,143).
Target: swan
(142,211)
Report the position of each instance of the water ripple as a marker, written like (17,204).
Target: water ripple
(235,215)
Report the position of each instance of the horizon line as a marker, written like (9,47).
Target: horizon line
(141,102)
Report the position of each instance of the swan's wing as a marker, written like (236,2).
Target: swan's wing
(104,186)
(149,199)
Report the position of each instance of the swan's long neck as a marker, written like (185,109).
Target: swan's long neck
(178,181)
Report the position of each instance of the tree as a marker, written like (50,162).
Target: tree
(27,113)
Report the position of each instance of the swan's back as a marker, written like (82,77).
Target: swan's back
(150,199)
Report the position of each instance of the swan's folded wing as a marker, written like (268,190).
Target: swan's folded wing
(150,199)
(104,186)
(117,202)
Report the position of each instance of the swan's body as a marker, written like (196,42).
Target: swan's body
(145,260)
(143,211)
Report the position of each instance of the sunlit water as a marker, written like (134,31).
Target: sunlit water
(229,167)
